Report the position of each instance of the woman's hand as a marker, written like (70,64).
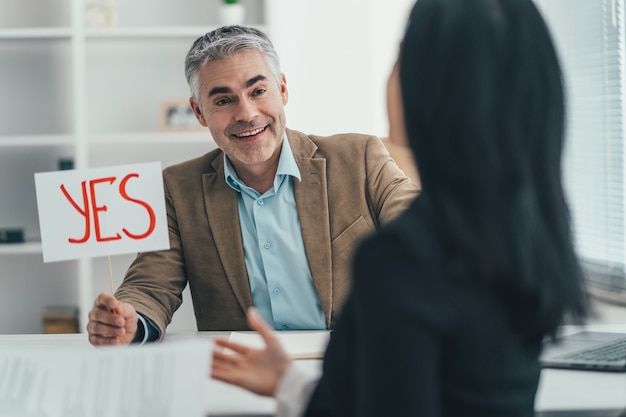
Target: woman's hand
(257,370)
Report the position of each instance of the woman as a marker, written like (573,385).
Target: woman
(451,301)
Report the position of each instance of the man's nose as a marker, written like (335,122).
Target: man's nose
(246,110)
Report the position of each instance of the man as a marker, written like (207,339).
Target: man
(269,219)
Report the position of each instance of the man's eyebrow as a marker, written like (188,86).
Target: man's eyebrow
(226,90)
(255,80)
(219,90)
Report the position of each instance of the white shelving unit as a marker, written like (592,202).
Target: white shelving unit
(93,95)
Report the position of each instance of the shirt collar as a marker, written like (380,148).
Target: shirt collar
(286,166)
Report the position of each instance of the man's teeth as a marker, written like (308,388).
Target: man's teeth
(251,133)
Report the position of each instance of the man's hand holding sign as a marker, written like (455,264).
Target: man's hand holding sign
(103,212)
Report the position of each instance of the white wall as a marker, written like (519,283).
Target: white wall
(336,55)
(387,23)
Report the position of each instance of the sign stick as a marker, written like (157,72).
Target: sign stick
(110,274)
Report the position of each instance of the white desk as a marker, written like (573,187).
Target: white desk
(582,390)
(558,389)
(228,400)
(221,400)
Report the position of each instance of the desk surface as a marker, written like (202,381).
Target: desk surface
(222,399)
(564,389)
(558,389)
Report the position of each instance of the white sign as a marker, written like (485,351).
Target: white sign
(101,211)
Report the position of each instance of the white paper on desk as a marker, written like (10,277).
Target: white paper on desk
(298,344)
(157,380)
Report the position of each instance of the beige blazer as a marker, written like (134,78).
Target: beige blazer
(350,185)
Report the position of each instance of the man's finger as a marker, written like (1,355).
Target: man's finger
(106,301)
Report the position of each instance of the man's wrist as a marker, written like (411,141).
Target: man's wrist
(146,330)
(141,336)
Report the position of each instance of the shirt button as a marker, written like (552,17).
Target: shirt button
(276,291)
(260,202)
(267,245)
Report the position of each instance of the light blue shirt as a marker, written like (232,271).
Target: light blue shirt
(280,279)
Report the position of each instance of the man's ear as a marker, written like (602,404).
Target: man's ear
(196,110)
(283,89)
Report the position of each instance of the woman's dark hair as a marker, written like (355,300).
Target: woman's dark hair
(483,98)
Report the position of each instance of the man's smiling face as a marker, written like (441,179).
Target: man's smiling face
(242,104)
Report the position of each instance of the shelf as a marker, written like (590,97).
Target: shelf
(108,33)
(26,248)
(36,140)
(147,32)
(151,31)
(95,96)
(151,138)
(35,33)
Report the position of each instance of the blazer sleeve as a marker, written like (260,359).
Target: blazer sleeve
(390,191)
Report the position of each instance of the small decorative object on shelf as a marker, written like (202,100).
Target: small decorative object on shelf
(60,319)
(178,115)
(66,163)
(100,14)
(11,235)
(232,12)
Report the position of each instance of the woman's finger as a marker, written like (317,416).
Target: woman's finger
(225,357)
(257,323)
(235,347)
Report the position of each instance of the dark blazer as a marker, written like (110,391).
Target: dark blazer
(418,337)
(349,186)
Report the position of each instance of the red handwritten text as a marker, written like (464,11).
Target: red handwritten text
(89,208)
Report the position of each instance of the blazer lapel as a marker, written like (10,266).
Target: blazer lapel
(312,202)
(223,214)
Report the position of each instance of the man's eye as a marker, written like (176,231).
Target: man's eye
(259,91)
(222,102)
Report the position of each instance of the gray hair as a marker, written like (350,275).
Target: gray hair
(225,42)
